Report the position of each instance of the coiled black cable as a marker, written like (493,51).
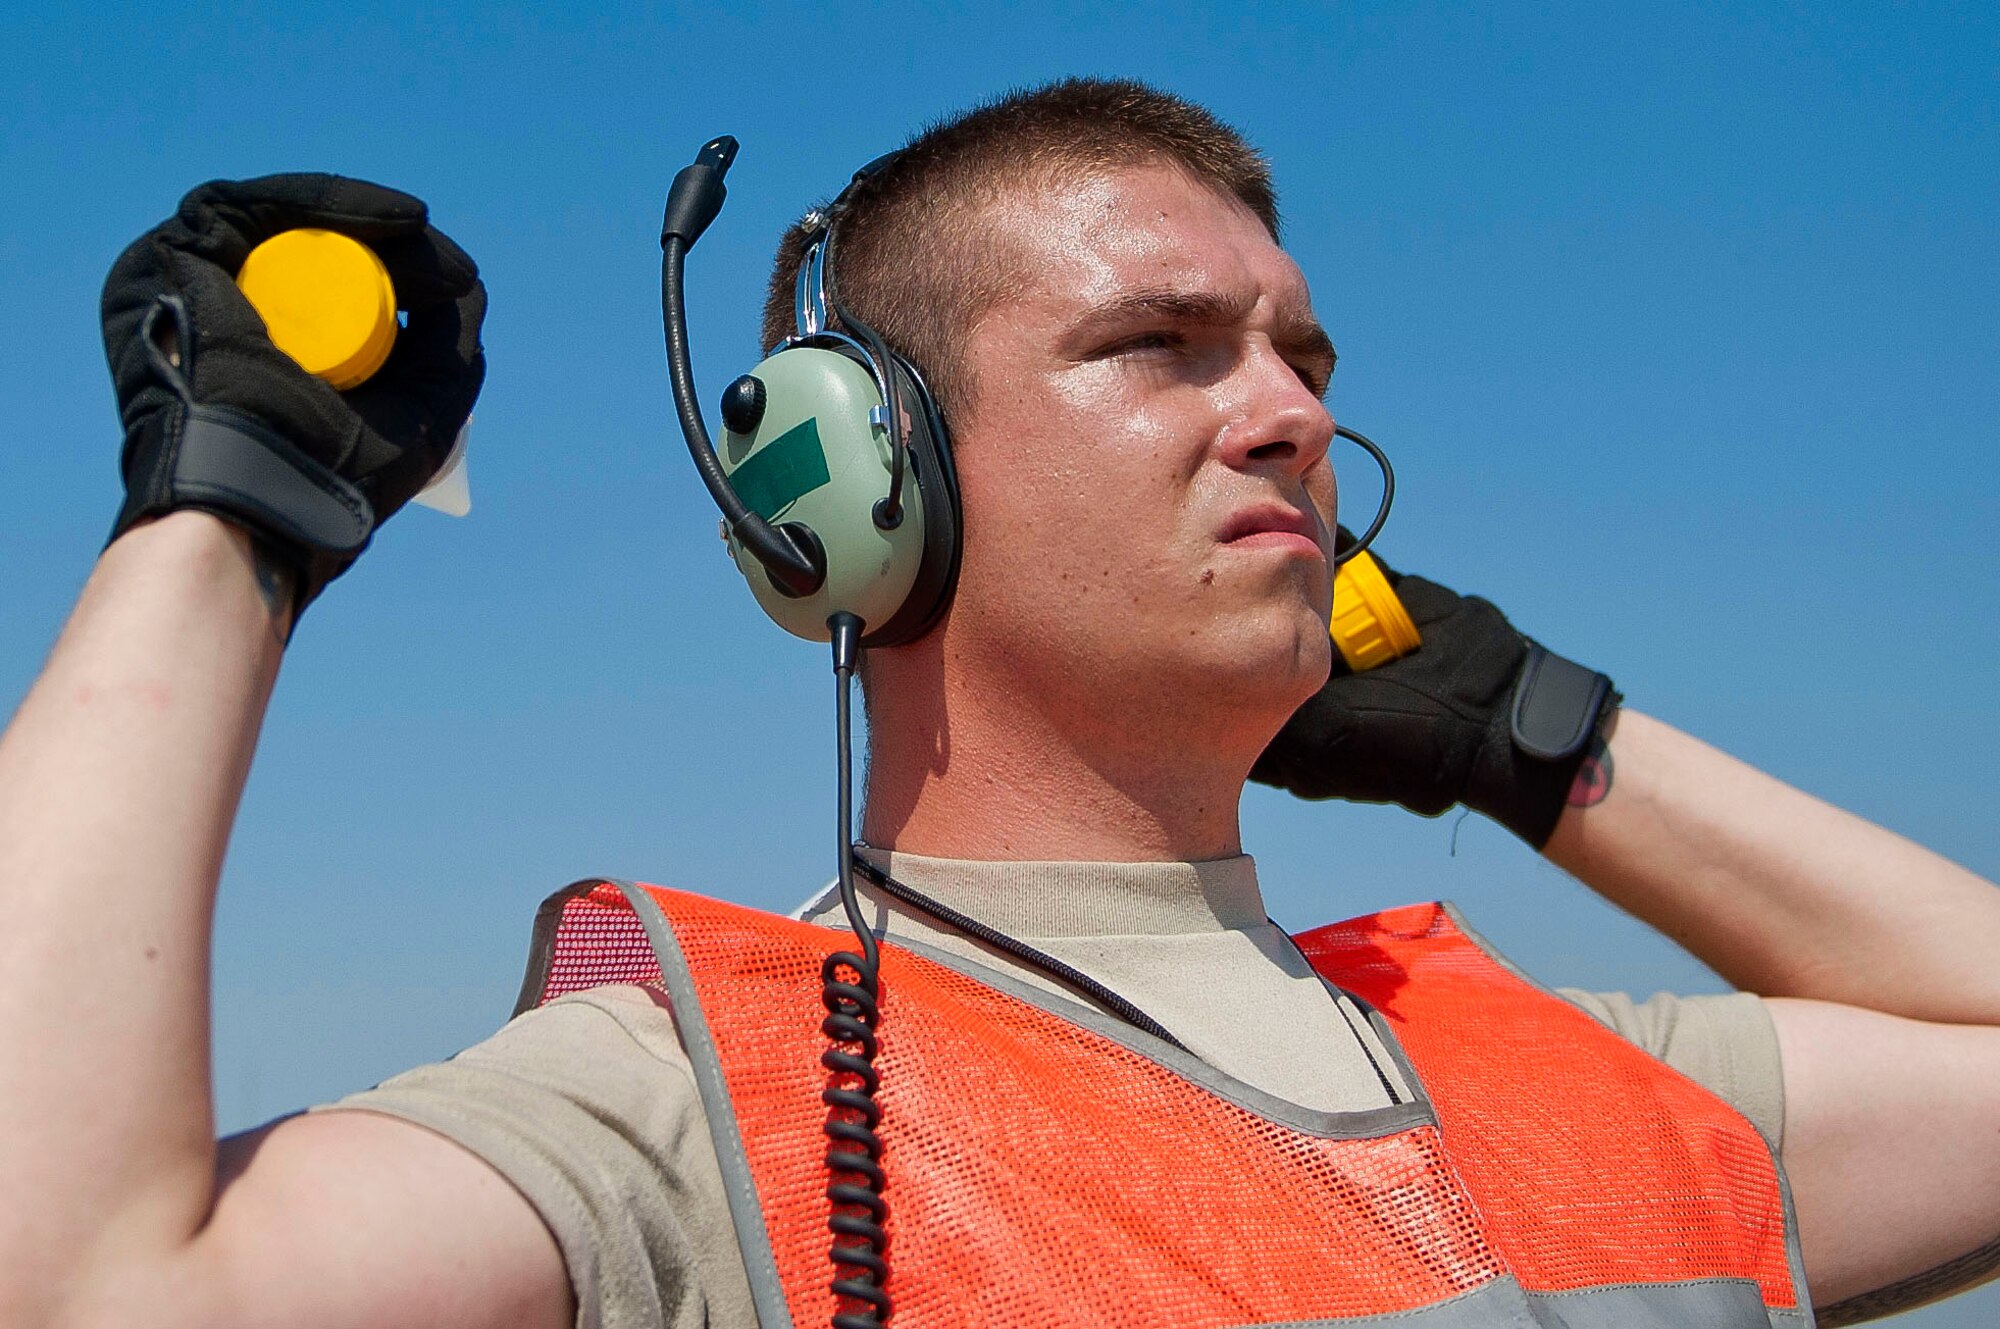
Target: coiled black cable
(860,1215)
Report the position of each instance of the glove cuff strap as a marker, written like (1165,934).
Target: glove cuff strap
(224,461)
(1523,780)
(1557,706)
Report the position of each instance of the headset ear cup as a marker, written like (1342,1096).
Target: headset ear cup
(816,457)
(936,480)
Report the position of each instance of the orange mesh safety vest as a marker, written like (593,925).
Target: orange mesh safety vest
(1063,1169)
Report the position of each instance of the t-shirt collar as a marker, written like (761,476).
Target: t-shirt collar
(1044,899)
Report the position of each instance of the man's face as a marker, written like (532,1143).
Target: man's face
(1143,459)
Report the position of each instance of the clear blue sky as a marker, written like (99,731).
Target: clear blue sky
(1678,319)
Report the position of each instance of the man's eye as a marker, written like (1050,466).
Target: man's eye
(1147,341)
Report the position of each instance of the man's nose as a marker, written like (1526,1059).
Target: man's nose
(1278,421)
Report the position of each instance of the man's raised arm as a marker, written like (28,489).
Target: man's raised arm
(1878,957)
(1875,953)
(119,781)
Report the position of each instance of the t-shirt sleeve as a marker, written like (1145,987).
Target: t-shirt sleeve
(588,1107)
(1726,1043)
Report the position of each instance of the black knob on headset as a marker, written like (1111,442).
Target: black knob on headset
(805,544)
(743,404)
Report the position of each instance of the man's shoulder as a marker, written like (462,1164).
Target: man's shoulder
(601,1043)
(642,1013)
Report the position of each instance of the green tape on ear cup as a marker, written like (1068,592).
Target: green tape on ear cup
(783,471)
(814,458)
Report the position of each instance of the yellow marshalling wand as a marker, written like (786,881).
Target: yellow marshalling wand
(327,301)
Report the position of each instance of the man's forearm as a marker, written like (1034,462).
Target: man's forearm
(1778,892)
(119,779)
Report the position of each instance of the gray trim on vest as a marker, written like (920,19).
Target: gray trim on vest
(1794,1257)
(1497,1303)
(767,1293)
(1366,1125)
(1413,1083)
(542,943)
(1493,953)
(1696,1303)
(1380,1024)
(1700,1303)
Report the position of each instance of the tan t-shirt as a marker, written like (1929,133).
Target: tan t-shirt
(588,1105)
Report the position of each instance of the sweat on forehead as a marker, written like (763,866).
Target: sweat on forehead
(914,255)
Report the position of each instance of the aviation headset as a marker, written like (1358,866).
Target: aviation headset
(840,506)
(835,476)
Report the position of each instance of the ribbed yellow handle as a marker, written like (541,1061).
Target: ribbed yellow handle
(1370,626)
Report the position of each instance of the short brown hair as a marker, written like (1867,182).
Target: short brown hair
(911,261)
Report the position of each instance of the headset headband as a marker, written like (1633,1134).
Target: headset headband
(817,315)
(814,305)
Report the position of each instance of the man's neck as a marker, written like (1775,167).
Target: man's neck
(997,780)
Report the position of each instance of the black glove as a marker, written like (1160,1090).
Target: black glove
(238,428)
(1477,715)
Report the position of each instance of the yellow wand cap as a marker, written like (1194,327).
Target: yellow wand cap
(1370,626)
(326,301)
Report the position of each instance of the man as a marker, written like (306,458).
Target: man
(1133,373)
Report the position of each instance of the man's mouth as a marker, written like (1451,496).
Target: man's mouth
(1276,526)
